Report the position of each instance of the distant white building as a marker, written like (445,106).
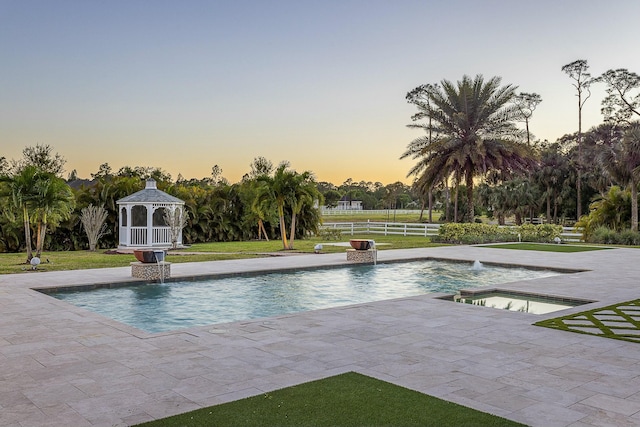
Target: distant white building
(345,204)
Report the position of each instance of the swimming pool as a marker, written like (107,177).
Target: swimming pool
(177,305)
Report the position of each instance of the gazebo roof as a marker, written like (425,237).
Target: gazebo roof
(150,194)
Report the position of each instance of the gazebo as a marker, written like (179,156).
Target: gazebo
(141,218)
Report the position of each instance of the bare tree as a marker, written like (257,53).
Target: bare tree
(578,72)
(176,218)
(93,220)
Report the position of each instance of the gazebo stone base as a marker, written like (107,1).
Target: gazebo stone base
(151,271)
(357,256)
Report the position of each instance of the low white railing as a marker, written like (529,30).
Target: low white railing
(161,235)
(138,236)
(569,234)
(385,228)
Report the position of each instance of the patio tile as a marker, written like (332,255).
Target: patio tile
(61,365)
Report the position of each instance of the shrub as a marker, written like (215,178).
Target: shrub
(607,236)
(603,235)
(329,234)
(543,233)
(472,233)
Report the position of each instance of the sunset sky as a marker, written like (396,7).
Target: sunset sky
(185,85)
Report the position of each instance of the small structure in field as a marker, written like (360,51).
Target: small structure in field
(142,220)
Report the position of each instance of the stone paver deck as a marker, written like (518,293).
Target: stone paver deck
(63,366)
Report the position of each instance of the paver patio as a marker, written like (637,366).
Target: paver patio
(63,366)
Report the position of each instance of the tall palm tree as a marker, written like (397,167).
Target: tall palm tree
(305,192)
(475,132)
(20,189)
(278,188)
(53,202)
(291,192)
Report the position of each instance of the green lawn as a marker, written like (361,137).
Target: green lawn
(546,247)
(349,399)
(78,260)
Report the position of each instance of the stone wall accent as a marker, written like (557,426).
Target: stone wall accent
(367,256)
(151,271)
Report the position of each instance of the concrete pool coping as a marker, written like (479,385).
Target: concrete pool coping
(62,365)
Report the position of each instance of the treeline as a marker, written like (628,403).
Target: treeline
(269,202)
(476,141)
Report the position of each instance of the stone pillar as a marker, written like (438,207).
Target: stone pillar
(368,256)
(151,271)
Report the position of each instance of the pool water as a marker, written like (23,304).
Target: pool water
(516,301)
(177,305)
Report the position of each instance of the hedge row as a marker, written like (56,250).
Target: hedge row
(474,233)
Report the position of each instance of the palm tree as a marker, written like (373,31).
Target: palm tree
(473,121)
(621,159)
(20,189)
(305,193)
(278,188)
(54,201)
(550,176)
(290,191)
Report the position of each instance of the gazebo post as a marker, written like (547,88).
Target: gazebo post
(150,237)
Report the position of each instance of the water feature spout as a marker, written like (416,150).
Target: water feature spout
(372,246)
(159,255)
(477,266)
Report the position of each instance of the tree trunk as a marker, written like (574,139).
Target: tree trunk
(40,241)
(430,204)
(548,205)
(446,200)
(262,230)
(470,195)
(579,191)
(421,210)
(27,234)
(283,230)
(292,233)
(634,205)
(455,205)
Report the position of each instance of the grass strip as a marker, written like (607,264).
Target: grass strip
(616,321)
(349,399)
(546,247)
(79,260)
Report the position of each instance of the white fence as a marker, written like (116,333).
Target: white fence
(569,234)
(365,212)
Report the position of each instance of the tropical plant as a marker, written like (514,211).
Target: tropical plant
(620,158)
(611,210)
(290,192)
(473,121)
(92,219)
(53,202)
(20,189)
(305,193)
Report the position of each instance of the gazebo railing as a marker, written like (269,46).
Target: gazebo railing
(161,235)
(138,236)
